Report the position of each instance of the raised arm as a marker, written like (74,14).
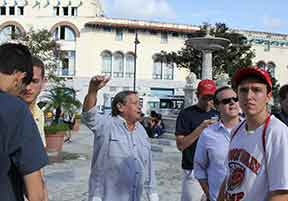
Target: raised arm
(96,83)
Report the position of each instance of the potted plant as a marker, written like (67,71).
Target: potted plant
(54,135)
(59,100)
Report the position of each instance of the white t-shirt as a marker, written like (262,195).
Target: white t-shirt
(249,177)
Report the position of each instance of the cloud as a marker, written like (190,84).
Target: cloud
(146,9)
(272,22)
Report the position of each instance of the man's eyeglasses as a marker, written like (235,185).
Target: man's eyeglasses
(226,101)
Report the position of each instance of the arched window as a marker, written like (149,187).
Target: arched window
(67,64)
(9,33)
(64,33)
(118,65)
(161,68)
(129,65)
(106,63)
(271,68)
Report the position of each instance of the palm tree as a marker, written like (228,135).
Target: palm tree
(62,99)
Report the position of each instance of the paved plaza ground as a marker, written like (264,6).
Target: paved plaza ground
(67,180)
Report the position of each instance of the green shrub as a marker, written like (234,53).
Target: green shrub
(53,128)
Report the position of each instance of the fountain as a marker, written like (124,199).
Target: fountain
(207,45)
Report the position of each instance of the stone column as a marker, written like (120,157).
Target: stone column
(190,90)
(206,65)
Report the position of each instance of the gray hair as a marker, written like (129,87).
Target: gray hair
(120,97)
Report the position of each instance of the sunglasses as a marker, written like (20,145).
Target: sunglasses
(208,98)
(226,101)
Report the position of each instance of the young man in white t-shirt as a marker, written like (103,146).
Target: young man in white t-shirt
(258,153)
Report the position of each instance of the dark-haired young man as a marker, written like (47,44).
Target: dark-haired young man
(122,161)
(22,154)
(258,152)
(32,92)
(30,95)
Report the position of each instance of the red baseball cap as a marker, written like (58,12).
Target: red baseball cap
(243,73)
(206,88)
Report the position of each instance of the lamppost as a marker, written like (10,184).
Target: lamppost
(136,42)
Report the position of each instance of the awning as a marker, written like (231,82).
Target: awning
(76,3)
(21,2)
(10,2)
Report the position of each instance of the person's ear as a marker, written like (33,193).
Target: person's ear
(269,95)
(119,107)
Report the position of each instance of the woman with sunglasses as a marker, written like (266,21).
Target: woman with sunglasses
(213,144)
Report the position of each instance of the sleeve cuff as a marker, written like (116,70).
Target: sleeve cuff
(88,115)
(96,199)
(278,187)
(92,110)
(199,174)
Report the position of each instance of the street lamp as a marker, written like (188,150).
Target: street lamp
(136,42)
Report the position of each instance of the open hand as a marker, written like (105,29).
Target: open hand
(97,82)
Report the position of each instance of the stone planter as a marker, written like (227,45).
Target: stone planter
(55,141)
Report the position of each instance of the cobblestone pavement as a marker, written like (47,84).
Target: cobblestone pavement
(68,180)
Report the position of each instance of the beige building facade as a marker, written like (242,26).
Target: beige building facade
(95,44)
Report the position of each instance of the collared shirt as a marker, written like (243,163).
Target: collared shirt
(38,116)
(122,160)
(210,157)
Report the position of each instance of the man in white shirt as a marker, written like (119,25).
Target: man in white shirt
(122,167)
(257,159)
(212,147)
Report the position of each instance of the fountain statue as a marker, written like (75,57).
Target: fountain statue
(207,45)
(190,90)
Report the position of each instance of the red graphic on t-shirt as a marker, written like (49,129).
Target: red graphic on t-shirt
(245,158)
(239,161)
(236,176)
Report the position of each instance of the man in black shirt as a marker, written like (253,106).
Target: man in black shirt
(190,124)
(22,154)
